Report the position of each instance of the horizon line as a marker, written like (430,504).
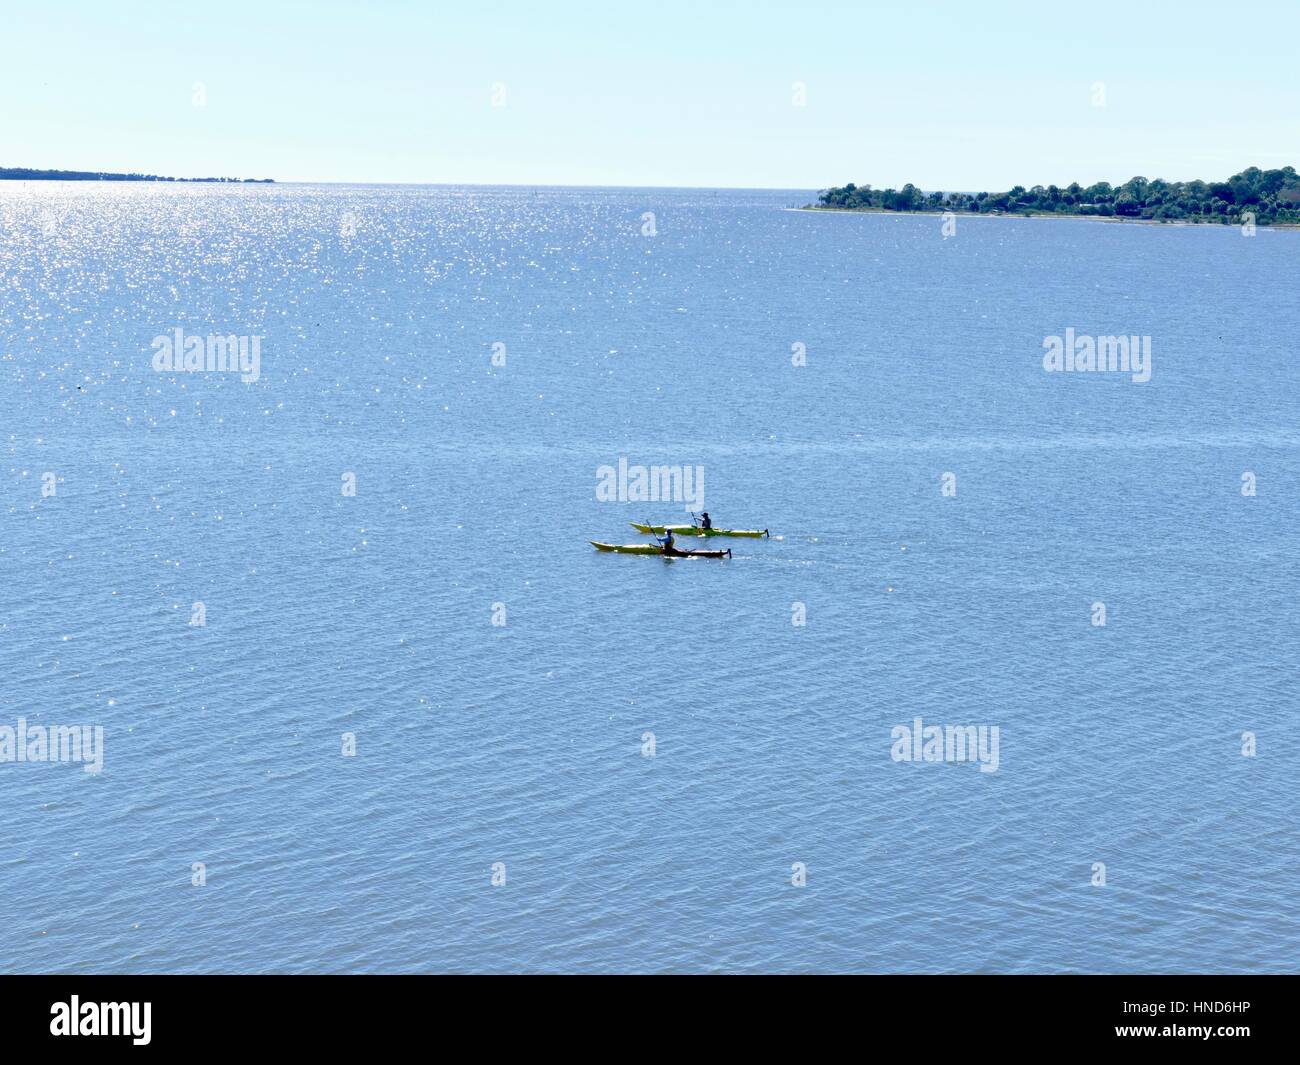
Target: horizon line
(169,179)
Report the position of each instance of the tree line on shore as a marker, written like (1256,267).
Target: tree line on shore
(22,173)
(1271,196)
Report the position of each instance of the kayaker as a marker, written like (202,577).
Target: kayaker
(705,521)
(667,541)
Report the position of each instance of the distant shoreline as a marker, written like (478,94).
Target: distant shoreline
(1251,198)
(1115,220)
(21,173)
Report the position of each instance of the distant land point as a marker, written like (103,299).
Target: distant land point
(22,173)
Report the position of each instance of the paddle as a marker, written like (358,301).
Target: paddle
(655,535)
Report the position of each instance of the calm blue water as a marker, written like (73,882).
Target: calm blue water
(475,485)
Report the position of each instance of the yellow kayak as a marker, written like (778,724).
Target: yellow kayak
(655,549)
(695,530)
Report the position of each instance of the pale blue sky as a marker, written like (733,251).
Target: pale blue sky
(956,95)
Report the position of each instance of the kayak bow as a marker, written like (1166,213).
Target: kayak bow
(628,549)
(695,530)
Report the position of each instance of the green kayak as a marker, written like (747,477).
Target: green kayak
(655,549)
(695,530)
